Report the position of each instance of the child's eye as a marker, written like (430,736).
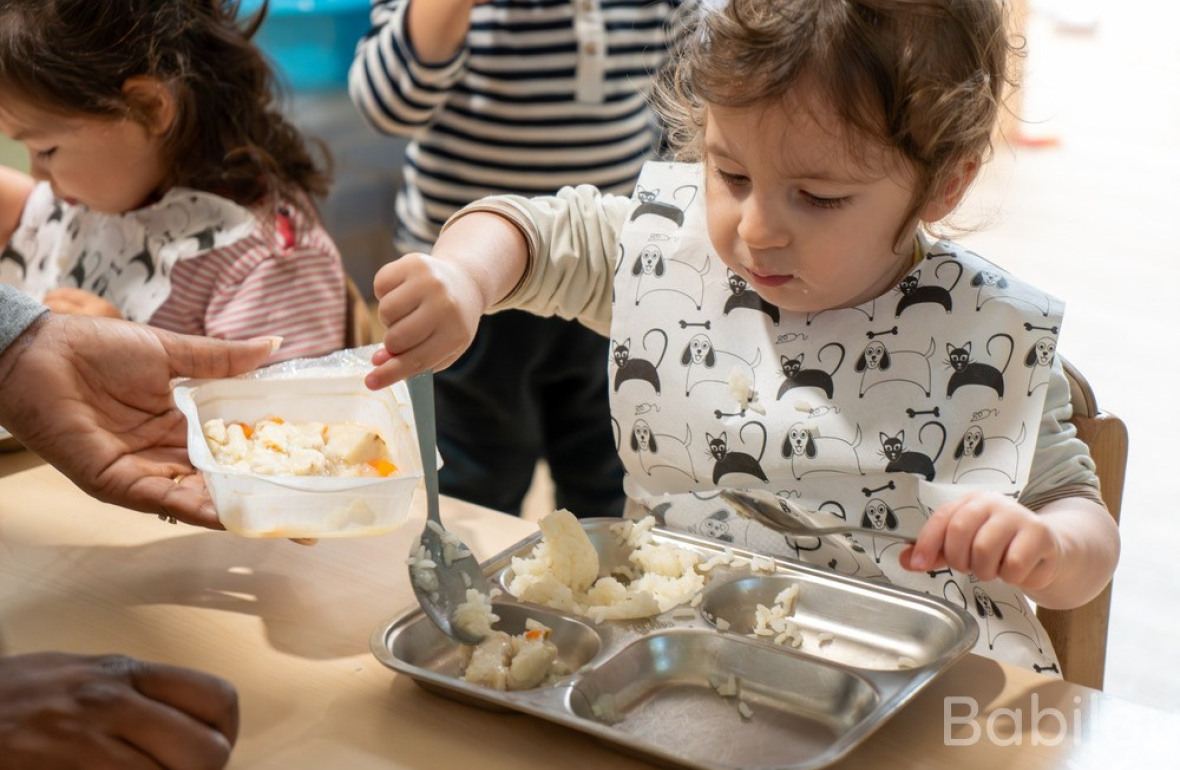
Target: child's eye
(46,154)
(733,180)
(823,203)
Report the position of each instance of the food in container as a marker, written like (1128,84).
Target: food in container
(275,447)
(270,493)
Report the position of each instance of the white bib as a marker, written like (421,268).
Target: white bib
(126,259)
(875,414)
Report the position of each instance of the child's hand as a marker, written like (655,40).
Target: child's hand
(431,309)
(79,302)
(989,535)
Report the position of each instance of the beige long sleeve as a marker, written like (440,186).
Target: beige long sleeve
(573,240)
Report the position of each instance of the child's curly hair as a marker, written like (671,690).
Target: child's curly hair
(924,77)
(229,136)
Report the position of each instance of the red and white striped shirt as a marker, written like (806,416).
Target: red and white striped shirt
(284,279)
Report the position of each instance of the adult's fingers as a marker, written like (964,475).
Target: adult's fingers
(103,752)
(206,698)
(190,356)
(180,494)
(183,719)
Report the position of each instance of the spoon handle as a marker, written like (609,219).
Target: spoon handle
(422,401)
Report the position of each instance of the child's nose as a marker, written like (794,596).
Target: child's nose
(763,225)
(37,168)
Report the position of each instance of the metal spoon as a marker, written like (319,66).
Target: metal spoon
(456,568)
(784,516)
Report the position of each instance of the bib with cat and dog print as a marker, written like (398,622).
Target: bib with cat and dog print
(874,415)
(126,259)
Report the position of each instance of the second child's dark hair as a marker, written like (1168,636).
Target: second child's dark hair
(229,136)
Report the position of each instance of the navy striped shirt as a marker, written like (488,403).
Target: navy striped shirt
(546,93)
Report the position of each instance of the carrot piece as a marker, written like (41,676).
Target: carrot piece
(534,634)
(383,467)
(247,430)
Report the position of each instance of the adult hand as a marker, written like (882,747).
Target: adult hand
(92,396)
(80,302)
(112,712)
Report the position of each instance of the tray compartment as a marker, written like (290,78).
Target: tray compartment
(662,687)
(871,629)
(420,644)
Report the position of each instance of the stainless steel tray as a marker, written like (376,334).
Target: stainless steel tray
(810,706)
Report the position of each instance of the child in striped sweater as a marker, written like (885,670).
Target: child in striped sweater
(166,187)
(518,96)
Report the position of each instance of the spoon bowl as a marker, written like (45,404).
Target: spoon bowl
(442,568)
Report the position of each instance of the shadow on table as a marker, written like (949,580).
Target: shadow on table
(310,608)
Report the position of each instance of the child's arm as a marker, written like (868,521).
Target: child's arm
(80,302)
(14,191)
(1061,556)
(551,255)
(405,68)
(437,28)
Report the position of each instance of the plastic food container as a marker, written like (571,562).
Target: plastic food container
(311,41)
(257,505)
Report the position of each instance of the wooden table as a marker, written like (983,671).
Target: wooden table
(290,626)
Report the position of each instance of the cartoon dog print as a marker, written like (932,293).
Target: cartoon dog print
(878,365)
(662,450)
(998,618)
(705,364)
(995,285)
(656,274)
(996,454)
(879,516)
(810,452)
(1039,360)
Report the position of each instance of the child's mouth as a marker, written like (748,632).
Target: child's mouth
(770,280)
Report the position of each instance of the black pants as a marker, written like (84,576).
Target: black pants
(529,388)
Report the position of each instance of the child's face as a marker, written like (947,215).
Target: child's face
(108,165)
(809,226)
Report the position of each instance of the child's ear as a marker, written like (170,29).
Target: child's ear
(950,193)
(152,102)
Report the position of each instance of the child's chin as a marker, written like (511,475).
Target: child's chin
(791,298)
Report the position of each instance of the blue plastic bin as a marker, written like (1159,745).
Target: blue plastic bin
(311,42)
